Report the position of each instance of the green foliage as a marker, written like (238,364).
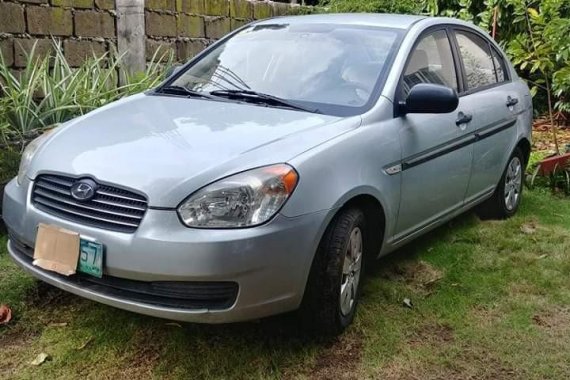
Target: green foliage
(378,6)
(49,91)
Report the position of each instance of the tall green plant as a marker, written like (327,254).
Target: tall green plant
(48,90)
(543,50)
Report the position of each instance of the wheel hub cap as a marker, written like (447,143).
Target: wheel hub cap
(513,183)
(351,271)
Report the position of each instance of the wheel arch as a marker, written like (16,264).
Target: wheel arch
(524,146)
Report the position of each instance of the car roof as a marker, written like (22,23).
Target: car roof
(364,19)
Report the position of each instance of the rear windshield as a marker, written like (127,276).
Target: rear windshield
(338,69)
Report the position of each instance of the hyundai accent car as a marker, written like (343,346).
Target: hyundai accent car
(258,177)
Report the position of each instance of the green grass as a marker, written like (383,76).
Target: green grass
(490,301)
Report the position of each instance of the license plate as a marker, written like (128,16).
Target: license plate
(90,258)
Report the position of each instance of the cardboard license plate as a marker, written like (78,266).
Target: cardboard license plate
(56,249)
(90,258)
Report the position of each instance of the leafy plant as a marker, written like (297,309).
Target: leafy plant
(543,50)
(48,90)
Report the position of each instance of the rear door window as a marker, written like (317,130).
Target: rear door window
(477,60)
(499,66)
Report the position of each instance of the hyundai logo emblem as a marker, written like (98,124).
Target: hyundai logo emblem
(83,190)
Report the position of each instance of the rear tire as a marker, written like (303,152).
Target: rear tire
(507,196)
(333,288)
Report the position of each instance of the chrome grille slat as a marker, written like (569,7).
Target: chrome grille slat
(85,206)
(110,203)
(47,186)
(58,180)
(55,206)
(106,193)
(112,208)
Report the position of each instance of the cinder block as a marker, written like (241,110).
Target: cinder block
(217,8)
(160,48)
(73,3)
(241,9)
(189,49)
(94,24)
(160,5)
(7,51)
(191,6)
(12,18)
(23,47)
(105,4)
(190,26)
(217,28)
(160,25)
(262,10)
(49,21)
(76,52)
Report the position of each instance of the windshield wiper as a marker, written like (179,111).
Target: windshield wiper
(180,90)
(259,97)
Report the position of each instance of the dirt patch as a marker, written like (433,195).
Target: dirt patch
(340,359)
(13,344)
(44,295)
(555,323)
(421,276)
(432,334)
(469,365)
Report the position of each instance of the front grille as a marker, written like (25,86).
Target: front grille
(111,208)
(211,295)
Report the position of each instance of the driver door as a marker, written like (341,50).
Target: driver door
(436,148)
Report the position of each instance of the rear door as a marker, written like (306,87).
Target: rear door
(436,153)
(492,98)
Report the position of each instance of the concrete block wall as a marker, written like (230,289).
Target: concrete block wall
(85,27)
(185,27)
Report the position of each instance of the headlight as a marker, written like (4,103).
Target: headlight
(29,153)
(242,200)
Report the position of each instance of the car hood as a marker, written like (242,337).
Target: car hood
(168,147)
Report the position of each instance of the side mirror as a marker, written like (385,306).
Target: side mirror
(172,70)
(430,98)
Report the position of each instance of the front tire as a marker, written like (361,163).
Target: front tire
(333,288)
(507,196)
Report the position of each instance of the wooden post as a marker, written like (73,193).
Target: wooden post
(131,35)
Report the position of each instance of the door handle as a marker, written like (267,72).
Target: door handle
(511,101)
(463,118)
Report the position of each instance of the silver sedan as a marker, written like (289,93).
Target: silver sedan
(261,175)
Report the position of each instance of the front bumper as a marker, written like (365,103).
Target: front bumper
(269,263)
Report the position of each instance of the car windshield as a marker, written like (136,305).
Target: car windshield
(335,69)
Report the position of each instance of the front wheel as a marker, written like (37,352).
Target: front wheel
(334,283)
(507,197)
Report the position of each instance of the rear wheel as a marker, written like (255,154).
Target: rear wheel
(333,289)
(507,197)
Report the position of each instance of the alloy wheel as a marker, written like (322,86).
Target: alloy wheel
(513,183)
(351,272)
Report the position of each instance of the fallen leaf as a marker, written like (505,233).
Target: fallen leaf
(85,344)
(544,256)
(528,229)
(408,303)
(5,314)
(40,359)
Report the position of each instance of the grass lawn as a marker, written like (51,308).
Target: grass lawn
(491,300)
